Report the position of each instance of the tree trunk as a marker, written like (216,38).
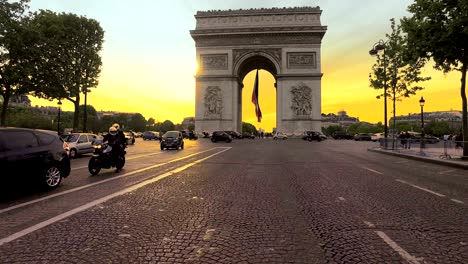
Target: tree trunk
(465,111)
(76,115)
(6,100)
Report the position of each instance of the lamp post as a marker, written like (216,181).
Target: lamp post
(421,103)
(380,46)
(59,104)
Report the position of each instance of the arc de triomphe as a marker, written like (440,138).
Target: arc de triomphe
(231,43)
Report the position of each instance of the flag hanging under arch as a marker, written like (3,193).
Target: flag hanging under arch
(258,112)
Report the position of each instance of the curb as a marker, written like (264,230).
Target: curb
(418,158)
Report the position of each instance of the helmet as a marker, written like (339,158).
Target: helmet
(112,131)
(116,126)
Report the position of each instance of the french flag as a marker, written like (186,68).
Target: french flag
(255,99)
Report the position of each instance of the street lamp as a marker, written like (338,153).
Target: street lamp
(421,103)
(59,104)
(380,46)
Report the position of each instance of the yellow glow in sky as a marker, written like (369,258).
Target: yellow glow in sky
(149,59)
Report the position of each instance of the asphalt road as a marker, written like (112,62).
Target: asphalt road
(250,201)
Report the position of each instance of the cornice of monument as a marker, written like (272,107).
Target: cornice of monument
(278,30)
(256,11)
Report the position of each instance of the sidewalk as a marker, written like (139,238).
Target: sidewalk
(426,156)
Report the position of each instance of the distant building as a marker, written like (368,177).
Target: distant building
(341,119)
(453,118)
(20,100)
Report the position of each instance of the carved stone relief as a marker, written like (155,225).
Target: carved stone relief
(302,60)
(301,101)
(214,61)
(213,102)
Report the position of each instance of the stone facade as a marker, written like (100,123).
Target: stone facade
(231,43)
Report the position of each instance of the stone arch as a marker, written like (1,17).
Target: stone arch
(283,41)
(256,60)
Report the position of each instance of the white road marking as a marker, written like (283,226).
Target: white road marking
(420,188)
(457,201)
(341,198)
(131,158)
(374,171)
(102,200)
(405,255)
(99,182)
(447,171)
(369,224)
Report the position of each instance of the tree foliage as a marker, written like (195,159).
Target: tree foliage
(167,125)
(70,61)
(16,51)
(394,69)
(438,29)
(249,128)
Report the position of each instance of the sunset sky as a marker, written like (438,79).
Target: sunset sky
(149,58)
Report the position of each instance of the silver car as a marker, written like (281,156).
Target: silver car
(80,143)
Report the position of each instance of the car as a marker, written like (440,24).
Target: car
(342,135)
(362,137)
(312,135)
(192,135)
(130,138)
(80,143)
(220,136)
(248,135)
(150,135)
(234,134)
(39,156)
(280,135)
(377,137)
(172,139)
(416,138)
(185,134)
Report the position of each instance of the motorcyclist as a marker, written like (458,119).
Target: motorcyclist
(113,140)
(120,134)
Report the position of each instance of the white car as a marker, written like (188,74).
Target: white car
(377,137)
(279,135)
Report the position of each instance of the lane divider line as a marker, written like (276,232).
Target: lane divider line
(457,201)
(403,253)
(421,188)
(101,200)
(131,158)
(369,224)
(99,182)
(374,171)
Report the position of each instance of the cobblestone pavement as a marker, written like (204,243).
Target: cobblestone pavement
(267,201)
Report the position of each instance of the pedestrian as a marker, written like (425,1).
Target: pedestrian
(403,140)
(459,140)
(408,140)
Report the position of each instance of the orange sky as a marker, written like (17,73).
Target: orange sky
(149,60)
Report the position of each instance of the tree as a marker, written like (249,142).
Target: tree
(437,29)
(92,120)
(191,127)
(249,128)
(394,68)
(438,128)
(70,62)
(137,122)
(167,125)
(16,51)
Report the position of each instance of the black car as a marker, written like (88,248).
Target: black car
(362,137)
(342,135)
(248,135)
(312,135)
(149,135)
(38,156)
(172,139)
(192,135)
(234,134)
(220,136)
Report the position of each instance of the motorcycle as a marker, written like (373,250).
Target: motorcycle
(104,158)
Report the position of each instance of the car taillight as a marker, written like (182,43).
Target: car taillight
(66,147)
